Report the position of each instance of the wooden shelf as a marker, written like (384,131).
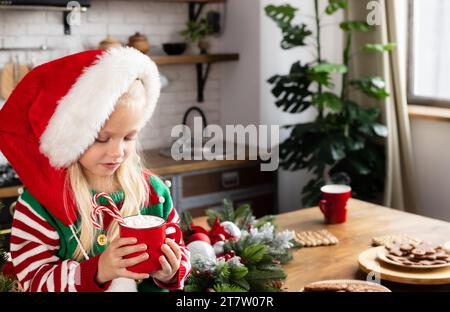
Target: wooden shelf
(9,191)
(429,112)
(192,1)
(193,59)
(199,60)
(39,8)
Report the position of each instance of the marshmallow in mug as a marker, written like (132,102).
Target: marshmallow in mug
(143,222)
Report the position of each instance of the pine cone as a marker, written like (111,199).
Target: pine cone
(277,284)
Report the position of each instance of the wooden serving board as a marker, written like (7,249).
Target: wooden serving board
(368,262)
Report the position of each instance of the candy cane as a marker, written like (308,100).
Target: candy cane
(97,209)
(111,202)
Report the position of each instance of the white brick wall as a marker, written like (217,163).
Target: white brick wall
(160,22)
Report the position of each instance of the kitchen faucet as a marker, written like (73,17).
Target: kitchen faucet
(202,114)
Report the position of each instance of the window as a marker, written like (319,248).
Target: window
(429,53)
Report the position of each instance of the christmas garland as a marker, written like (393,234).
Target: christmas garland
(239,253)
(8,283)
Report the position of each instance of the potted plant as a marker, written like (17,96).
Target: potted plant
(196,31)
(344,142)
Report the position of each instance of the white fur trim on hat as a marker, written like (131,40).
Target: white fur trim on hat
(83,111)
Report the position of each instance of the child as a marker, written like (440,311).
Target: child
(69,130)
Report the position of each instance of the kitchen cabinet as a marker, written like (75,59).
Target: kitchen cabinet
(197,191)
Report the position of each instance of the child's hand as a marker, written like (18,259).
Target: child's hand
(170,262)
(111,265)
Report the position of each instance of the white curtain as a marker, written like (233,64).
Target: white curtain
(400,177)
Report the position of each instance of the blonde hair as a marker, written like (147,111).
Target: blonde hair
(129,177)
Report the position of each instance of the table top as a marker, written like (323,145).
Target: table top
(364,221)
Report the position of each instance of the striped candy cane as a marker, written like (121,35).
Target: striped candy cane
(97,209)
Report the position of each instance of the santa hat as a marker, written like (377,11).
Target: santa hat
(57,110)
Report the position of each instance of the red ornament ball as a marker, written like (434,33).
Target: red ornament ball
(199,237)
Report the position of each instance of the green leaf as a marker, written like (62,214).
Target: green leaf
(300,129)
(371,86)
(335,5)
(192,288)
(380,130)
(242,283)
(293,35)
(311,192)
(360,167)
(323,79)
(320,73)
(292,90)
(228,288)
(266,274)
(378,47)
(196,30)
(242,210)
(328,68)
(337,151)
(328,100)
(281,14)
(185,223)
(355,143)
(238,272)
(265,219)
(356,25)
(369,115)
(224,271)
(7,284)
(254,253)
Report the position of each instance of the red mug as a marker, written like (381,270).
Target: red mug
(334,202)
(152,231)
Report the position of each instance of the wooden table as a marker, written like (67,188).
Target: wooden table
(364,221)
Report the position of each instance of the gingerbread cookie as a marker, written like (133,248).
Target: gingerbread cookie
(338,286)
(417,254)
(402,238)
(316,238)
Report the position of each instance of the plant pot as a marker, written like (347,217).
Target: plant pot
(139,42)
(203,45)
(109,42)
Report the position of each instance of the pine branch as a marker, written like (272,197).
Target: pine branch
(3,258)
(7,284)
(228,288)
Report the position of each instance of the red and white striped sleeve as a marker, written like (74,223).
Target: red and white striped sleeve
(34,247)
(185,264)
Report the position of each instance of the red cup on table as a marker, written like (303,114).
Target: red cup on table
(333,202)
(152,231)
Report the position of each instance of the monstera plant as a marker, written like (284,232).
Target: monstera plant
(344,143)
